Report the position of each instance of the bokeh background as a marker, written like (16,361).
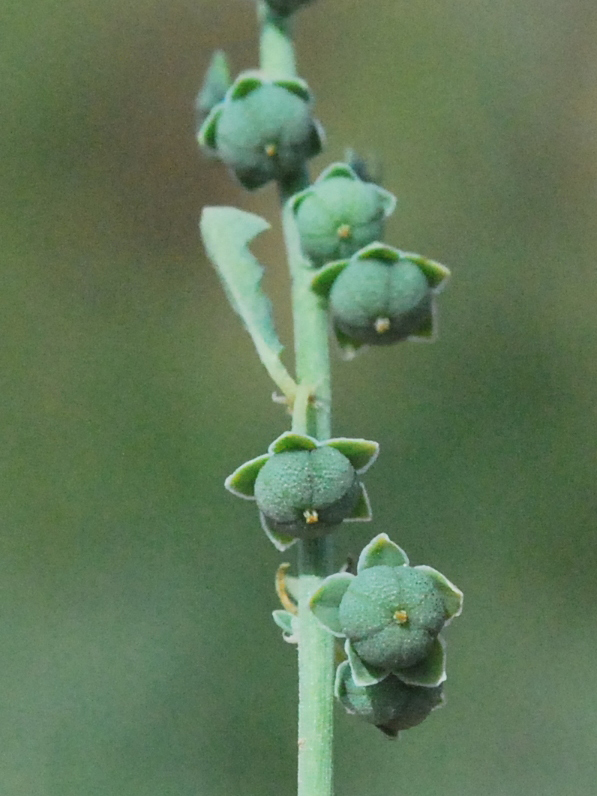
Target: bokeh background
(137,653)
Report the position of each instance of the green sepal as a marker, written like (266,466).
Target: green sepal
(361,453)
(435,273)
(431,671)
(297,87)
(451,594)
(280,541)
(349,348)
(207,132)
(337,170)
(362,673)
(215,84)
(289,441)
(379,251)
(325,277)
(362,511)
(242,481)
(325,603)
(381,551)
(427,332)
(245,84)
(288,623)
(342,672)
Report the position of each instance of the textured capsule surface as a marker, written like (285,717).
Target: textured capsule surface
(391,704)
(339,216)
(378,303)
(307,493)
(266,135)
(392,615)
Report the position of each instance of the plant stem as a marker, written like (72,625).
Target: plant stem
(311,415)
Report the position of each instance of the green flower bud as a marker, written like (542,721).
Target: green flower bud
(377,302)
(392,615)
(285,7)
(391,704)
(340,214)
(307,493)
(263,130)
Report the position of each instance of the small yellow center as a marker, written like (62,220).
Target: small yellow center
(382,325)
(270,150)
(311,516)
(401,617)
(343,231)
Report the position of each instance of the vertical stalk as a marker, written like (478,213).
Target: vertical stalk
(311,415)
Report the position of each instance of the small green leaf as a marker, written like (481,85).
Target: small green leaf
(324,278)
(381,551)
(431,671)
(289,441)
(379,251)
(452,595)
(427,331)
(297,87)
(245,84)
(281,541)
(326,601)
(337,170)
(435,273)
(360,452)
(349,348)
(284,620)
(207,132)
(362,511)
(242,481)
(226,234)
(362,673)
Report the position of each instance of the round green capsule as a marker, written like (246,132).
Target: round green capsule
(392,616)
(339,216)
(378,302)
(266,135)
(391,704)
(307,493)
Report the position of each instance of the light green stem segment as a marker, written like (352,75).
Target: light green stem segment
(311,415)
(276,52)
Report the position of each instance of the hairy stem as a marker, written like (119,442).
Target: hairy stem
(311,415)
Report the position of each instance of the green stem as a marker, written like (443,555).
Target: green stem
(311,415)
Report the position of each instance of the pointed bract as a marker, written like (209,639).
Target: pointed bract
(324,279)
(296,86)
(284,620)
(451,594)
(289,441)
(242,481)
(361,453)
(436,273)
(245,84)
(379,251)
(362,511)
(207,132)
(337,170)
(326,601)
(381,551)
(362,673)
(279,540)
(430,672)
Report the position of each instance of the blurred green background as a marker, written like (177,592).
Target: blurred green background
(137,653)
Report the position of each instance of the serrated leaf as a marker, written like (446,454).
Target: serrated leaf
(451,594)
(290,441)
(325,603)
(226,233)
(323,280)
(360,452)
(381,551)
(362,674)
(431,671)
(242,481)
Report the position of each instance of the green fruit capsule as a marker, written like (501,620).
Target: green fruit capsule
(392,616)
(391,704)
(263,129)
(340,214)
(377,302)
(307,493)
